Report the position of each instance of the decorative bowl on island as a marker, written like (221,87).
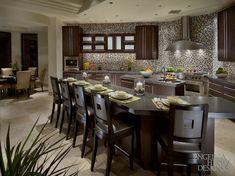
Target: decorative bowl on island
(221,75)
(146,73)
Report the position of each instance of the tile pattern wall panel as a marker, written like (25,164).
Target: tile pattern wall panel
(203,29)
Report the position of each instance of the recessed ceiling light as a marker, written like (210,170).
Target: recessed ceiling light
(189,5)
(110,2)
(121,20)
(116,15)
(156,14)
(84,14)
(137,5)
(160,5)
(174,11)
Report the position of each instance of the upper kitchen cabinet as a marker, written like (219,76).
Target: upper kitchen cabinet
(71,40)
(226,35)
(108,43)
(146,42)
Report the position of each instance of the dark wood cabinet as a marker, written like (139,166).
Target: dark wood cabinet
(226,35)
(146,42)
(71,40)
(5,49)
(108,43)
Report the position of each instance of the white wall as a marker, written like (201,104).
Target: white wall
(55,64)
(43,54)
(42,50)
(16,47)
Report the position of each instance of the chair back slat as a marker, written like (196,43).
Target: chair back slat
(23,79)
(80,101)
(101,108)
(188,123)
(65,90)
(55,87)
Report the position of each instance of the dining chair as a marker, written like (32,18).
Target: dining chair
(22,81)
(6,71)
(68,106)
(41,78)
(111,129)
(33,71)
(185,137)
(57,100)
(84,114)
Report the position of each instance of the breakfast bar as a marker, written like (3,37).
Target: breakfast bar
(147,118)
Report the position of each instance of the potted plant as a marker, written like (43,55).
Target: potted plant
(38,159)
(129,61)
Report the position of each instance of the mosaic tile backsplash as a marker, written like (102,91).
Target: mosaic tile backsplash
(203,30)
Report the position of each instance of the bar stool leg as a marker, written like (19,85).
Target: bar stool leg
(95,145)
(85,134)
(58,114)
(75,133)
(62,120)
(52,112)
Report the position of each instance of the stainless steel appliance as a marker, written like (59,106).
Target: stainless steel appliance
(196,84)
(71,62)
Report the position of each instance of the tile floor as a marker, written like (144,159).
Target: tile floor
(22,113)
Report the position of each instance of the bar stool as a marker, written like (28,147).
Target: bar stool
(185,139)
(56,99)
(84,114)
(68,106)
(110,129)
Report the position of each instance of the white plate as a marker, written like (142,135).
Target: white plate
(99,89)
(81,83)
(114,95)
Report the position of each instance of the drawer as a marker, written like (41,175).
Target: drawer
(229,91)
(215,93)
(216,87)
(127,83)
(148,88)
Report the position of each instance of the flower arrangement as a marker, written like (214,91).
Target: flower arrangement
(129,61)
(15,66)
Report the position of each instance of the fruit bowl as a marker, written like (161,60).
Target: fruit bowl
(146,74)
(221,75)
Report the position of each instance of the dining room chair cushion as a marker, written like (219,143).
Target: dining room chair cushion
(181,147)
(6,71)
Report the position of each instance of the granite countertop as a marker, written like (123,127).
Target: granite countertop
(103,71)
(229,80)
(154,79)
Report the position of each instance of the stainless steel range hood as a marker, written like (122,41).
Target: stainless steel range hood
(185,43)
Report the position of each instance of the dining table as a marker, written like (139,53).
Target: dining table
(147,118)
(7,84)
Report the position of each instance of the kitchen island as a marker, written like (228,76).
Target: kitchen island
(147,118)
(155,85)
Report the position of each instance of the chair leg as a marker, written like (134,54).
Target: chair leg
(69,125)
(75,133)
(58,114)
(170,166)
(52,112)
(132,151)
(188,170)
(42,87)
(109,158)
(62,120)
(95,146)
(85,134)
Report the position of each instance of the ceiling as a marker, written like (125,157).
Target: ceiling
(105,11)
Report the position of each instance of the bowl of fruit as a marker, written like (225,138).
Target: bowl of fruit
(221,73)
(146,73)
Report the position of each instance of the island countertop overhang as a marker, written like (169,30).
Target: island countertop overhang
(154,79)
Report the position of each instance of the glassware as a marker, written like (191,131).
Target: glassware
(84,75)
(139,87)
(106,79)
